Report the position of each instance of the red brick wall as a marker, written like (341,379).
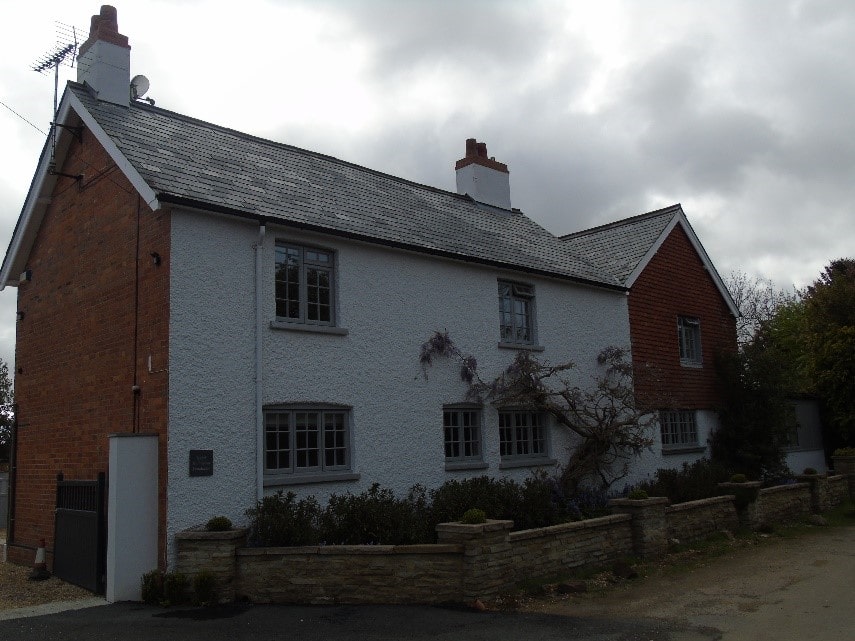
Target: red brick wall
(674,284)
(92,315)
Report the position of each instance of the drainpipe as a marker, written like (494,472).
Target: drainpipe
(259,365)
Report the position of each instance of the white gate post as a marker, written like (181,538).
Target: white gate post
(132,514)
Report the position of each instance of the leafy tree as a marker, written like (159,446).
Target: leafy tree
(755,416)
(606,416)
(7,415)
(816,337)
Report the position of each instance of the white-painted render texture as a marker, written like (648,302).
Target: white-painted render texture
(390,302)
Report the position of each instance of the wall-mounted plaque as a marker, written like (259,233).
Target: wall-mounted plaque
(201,462)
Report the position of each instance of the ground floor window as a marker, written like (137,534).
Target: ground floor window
(679,429)
(462,432)
(306,440)
(522,434)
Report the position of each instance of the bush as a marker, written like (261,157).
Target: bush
(690,483)
(205,588)
(374,517)
(174,588)
(219,524)
(844,451)
(474,516)
(152,587)
(809,470)
(637,495)
(738,478)
(281,520)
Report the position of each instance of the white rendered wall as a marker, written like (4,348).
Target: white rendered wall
(390,302)
(645,466)
(132,511)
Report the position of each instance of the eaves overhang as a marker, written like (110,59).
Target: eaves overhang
(191,203)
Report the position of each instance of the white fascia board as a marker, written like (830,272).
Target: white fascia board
(679,218)
(145,192)
(38,196)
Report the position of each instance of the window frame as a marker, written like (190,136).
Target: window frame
(678,430)
(689,341)
(463,461)
(324,469)
(518,292)
(306,264)
(532,456)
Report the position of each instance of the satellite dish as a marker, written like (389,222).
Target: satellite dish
(139,85)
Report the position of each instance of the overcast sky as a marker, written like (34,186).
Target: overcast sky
(744,112)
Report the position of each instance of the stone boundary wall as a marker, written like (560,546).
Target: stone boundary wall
(351,574)
(549,551)
(696,520)
(783,503)
(485,560)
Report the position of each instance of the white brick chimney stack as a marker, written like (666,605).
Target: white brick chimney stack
(104,62)
(484,179)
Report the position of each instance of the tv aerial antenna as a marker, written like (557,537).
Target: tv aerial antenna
(64,52)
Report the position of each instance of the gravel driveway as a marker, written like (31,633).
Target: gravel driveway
(796,588)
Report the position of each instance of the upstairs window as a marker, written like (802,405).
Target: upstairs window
(679,429)
(689,337)
(304,285)
(516,313)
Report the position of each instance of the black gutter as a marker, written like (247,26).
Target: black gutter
(220,209)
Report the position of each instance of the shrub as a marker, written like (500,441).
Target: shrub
(174,588)
(375,516)
(689,483)
(809,470)
(205,588)
(219,524)
(152,587)
(474,516)
(844,451)
(637,495)
(281,519)
(738,478)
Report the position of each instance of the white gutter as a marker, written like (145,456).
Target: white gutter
(259,365)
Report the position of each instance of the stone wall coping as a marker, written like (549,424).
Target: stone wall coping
(653,500)
(354,550)
(836,477)
(475,528)
(571,526)
(784,488)
(692,505)
(204,535)
(747,485)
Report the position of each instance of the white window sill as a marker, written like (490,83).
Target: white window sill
(304,327)
(683,449)
(529,347)
(691,364)
(273,480)
(452,466)
(507,464)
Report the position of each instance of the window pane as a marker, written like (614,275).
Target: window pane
(306,449)
(335,440)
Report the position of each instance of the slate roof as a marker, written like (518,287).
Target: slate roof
(618,248)
(191,162)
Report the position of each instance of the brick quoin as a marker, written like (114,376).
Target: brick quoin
(92,314)
(676,283)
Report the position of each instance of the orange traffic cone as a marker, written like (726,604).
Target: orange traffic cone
(40,572)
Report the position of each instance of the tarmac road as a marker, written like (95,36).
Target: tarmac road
(134,622)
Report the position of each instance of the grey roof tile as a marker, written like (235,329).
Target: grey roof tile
(617,248)
(183,160)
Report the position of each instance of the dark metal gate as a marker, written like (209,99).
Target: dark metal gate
(80,539)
